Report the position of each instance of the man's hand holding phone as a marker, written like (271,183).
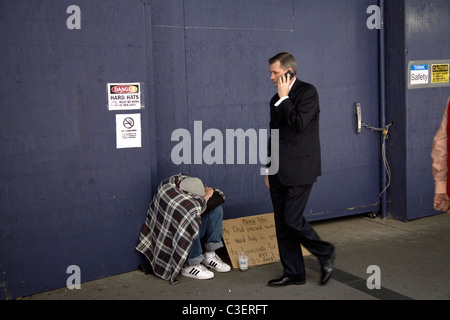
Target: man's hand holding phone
(283,83)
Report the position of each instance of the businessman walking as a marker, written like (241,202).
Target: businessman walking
(294,111)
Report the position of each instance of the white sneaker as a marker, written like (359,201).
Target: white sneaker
(217,264)
(197,272)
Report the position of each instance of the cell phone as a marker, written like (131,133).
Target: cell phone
(289,72)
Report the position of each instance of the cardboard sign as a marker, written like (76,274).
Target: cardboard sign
(255,236)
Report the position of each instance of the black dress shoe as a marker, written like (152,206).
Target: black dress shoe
(327,269)
(285,281)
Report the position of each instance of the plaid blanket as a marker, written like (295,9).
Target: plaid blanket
(172,223)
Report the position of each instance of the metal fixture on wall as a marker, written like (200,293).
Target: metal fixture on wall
(385,165)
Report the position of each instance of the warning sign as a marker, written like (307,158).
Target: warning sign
(124,96)
(428,74)
(440,73)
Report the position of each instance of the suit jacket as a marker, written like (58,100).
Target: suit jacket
(297,120)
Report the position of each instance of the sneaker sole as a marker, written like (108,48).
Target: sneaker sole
(194,277)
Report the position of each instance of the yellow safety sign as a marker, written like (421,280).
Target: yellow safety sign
(440,73)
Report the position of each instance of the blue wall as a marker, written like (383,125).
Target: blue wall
(415,31)
(211,66)
(68,196)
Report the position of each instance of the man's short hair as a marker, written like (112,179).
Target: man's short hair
(286,59)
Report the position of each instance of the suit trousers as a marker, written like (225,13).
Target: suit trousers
(293,230)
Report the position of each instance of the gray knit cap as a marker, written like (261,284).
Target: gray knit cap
(193,185)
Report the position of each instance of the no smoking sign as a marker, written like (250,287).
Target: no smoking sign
(128,122)
(128,131)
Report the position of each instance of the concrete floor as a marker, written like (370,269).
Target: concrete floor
(413,259)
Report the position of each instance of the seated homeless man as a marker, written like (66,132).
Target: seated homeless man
(184,217)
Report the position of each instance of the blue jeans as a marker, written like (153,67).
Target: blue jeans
(210,235)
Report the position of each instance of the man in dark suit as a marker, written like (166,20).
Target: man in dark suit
(294,111)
